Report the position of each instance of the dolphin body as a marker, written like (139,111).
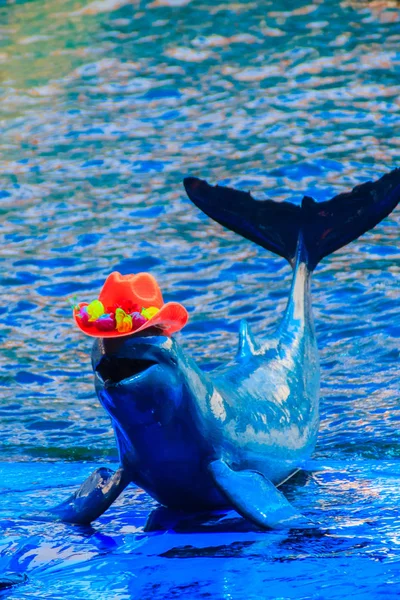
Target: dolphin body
(201,441)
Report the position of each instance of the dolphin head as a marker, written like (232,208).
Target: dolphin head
(139,381)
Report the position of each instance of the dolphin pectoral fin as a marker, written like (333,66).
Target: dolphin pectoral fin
(256,498)
(8,580)
(91,500)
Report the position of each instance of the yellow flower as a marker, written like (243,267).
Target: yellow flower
(119,316)
(123,321)
(95,309)
(149,312)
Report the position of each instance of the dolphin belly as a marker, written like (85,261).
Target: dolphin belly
(179,485)
(171,464)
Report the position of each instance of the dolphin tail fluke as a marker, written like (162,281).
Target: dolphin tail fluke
(277,226)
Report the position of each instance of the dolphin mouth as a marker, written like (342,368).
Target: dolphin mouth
(113,369)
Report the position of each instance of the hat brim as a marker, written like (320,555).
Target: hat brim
(170,319)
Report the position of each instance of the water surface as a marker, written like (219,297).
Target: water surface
(105,107)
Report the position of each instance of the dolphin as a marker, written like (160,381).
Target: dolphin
(229,438)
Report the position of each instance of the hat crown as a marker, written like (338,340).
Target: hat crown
(141,289)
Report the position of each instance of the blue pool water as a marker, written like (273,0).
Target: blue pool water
(105,107)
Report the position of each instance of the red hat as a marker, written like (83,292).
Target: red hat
(128,304)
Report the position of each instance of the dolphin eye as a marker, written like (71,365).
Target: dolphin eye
(114,369)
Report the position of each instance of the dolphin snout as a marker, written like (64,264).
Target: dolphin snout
(114,369)
(115,361)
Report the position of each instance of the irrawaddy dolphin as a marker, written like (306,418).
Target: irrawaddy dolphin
(229,438)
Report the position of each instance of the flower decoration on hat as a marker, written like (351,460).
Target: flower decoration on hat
(129,304)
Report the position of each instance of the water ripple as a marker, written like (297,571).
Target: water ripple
(105,107)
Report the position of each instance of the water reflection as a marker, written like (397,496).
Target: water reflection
(225,562)
(105,107)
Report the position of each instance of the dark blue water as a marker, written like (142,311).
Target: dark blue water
(105,107)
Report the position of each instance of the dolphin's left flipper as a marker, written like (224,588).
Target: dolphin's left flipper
(8,580)
(256,498)
(91,500)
